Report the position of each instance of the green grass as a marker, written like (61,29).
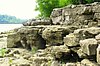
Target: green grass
(34,49)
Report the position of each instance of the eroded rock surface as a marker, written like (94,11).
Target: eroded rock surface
(71,37)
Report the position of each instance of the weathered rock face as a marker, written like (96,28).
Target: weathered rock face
(35,22)
(56,14)
(86,33)
(13,40)
(54,35)
(58,51)
(29,37)
(80,15)
(38,36)
(72,39)
(39,61)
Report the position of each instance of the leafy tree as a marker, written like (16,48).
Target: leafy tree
(46,6)
(63,3)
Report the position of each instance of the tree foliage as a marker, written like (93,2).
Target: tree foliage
(63,3)
(46,6)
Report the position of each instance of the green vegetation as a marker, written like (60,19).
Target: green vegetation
(34,49)
(6,19)
(10,61)
(2,52)
(46,6)
(63,3)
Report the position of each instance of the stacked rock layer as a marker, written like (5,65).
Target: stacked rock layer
(71,37)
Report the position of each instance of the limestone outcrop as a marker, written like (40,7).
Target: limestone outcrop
(70,37)
(54,35)
(80,15)
(35,22)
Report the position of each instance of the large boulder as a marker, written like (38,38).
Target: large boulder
(13,40)
(58,52)
(54,35)
(86,33)
(56,16)
(30,37)
(89,46)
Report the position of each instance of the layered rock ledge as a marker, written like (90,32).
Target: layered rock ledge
(70,37)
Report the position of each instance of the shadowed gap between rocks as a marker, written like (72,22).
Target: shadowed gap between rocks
(72,57)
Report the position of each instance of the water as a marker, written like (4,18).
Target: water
(7,27)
